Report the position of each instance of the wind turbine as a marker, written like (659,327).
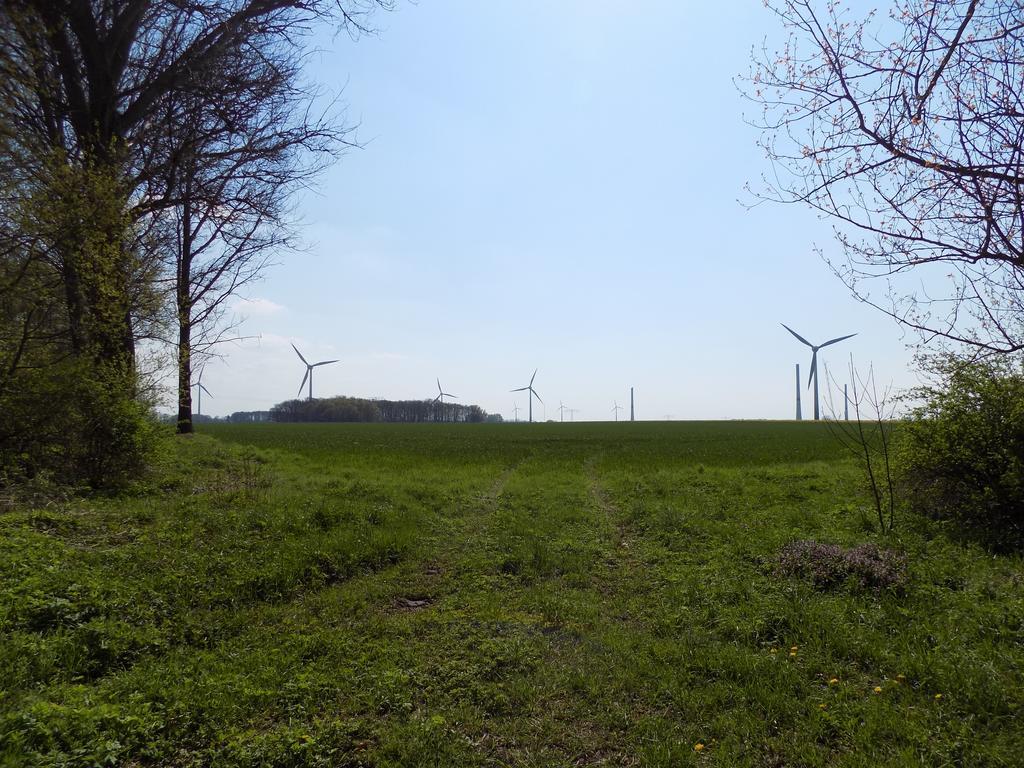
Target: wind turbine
(572,413)
(309,371)
(533,393)
(441,394)
(515,411)
(616,408)
(814,361)
(200,388)
(561,411)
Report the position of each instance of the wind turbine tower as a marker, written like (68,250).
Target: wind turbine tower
(533,393)
(799,413)
(814,361)
(616,408)
(309,371)
(632,413)
(515,412)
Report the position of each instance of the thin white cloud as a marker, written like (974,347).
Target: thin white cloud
(257,307)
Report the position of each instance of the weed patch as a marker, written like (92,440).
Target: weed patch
(827,566)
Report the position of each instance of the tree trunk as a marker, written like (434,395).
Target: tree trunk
(184,378)
(184,307)
(75,306)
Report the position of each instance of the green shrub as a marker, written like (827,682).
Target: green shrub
(73,291)
(76,424)
(961,456)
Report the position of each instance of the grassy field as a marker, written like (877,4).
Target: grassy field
(514,595)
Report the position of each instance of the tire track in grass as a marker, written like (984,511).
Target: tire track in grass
(601,499)
(477,522)
(431,580)
(488,502)
(627,566)
(474,514)
(471,521)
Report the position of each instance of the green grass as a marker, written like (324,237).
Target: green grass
(585,594)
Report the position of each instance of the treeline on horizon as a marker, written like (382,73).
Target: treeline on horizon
(346,409)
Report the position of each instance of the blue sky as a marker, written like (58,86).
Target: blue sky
(551,185)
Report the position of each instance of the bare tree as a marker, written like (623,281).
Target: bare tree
(907,130)
(868,436)
(231,172)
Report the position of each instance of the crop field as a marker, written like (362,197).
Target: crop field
(500,595)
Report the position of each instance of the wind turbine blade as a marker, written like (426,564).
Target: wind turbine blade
(521,389)
(534,376)
(436,399)
(805,341)
(448,394)
(439,387)
(535,394)
(814,368)
(299,354)
(202,387)
(324,362)
(835,341)
(305,376)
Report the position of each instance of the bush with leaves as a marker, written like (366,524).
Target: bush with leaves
(961,457)
(67,422)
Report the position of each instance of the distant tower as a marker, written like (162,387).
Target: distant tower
(799,416)
(632,413)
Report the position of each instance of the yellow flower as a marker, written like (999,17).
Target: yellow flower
(773,650)
(698,747)
(794,648)
(900,678)
(878,689)
(822,706)
(792,653)
(834,681)
(938,696)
